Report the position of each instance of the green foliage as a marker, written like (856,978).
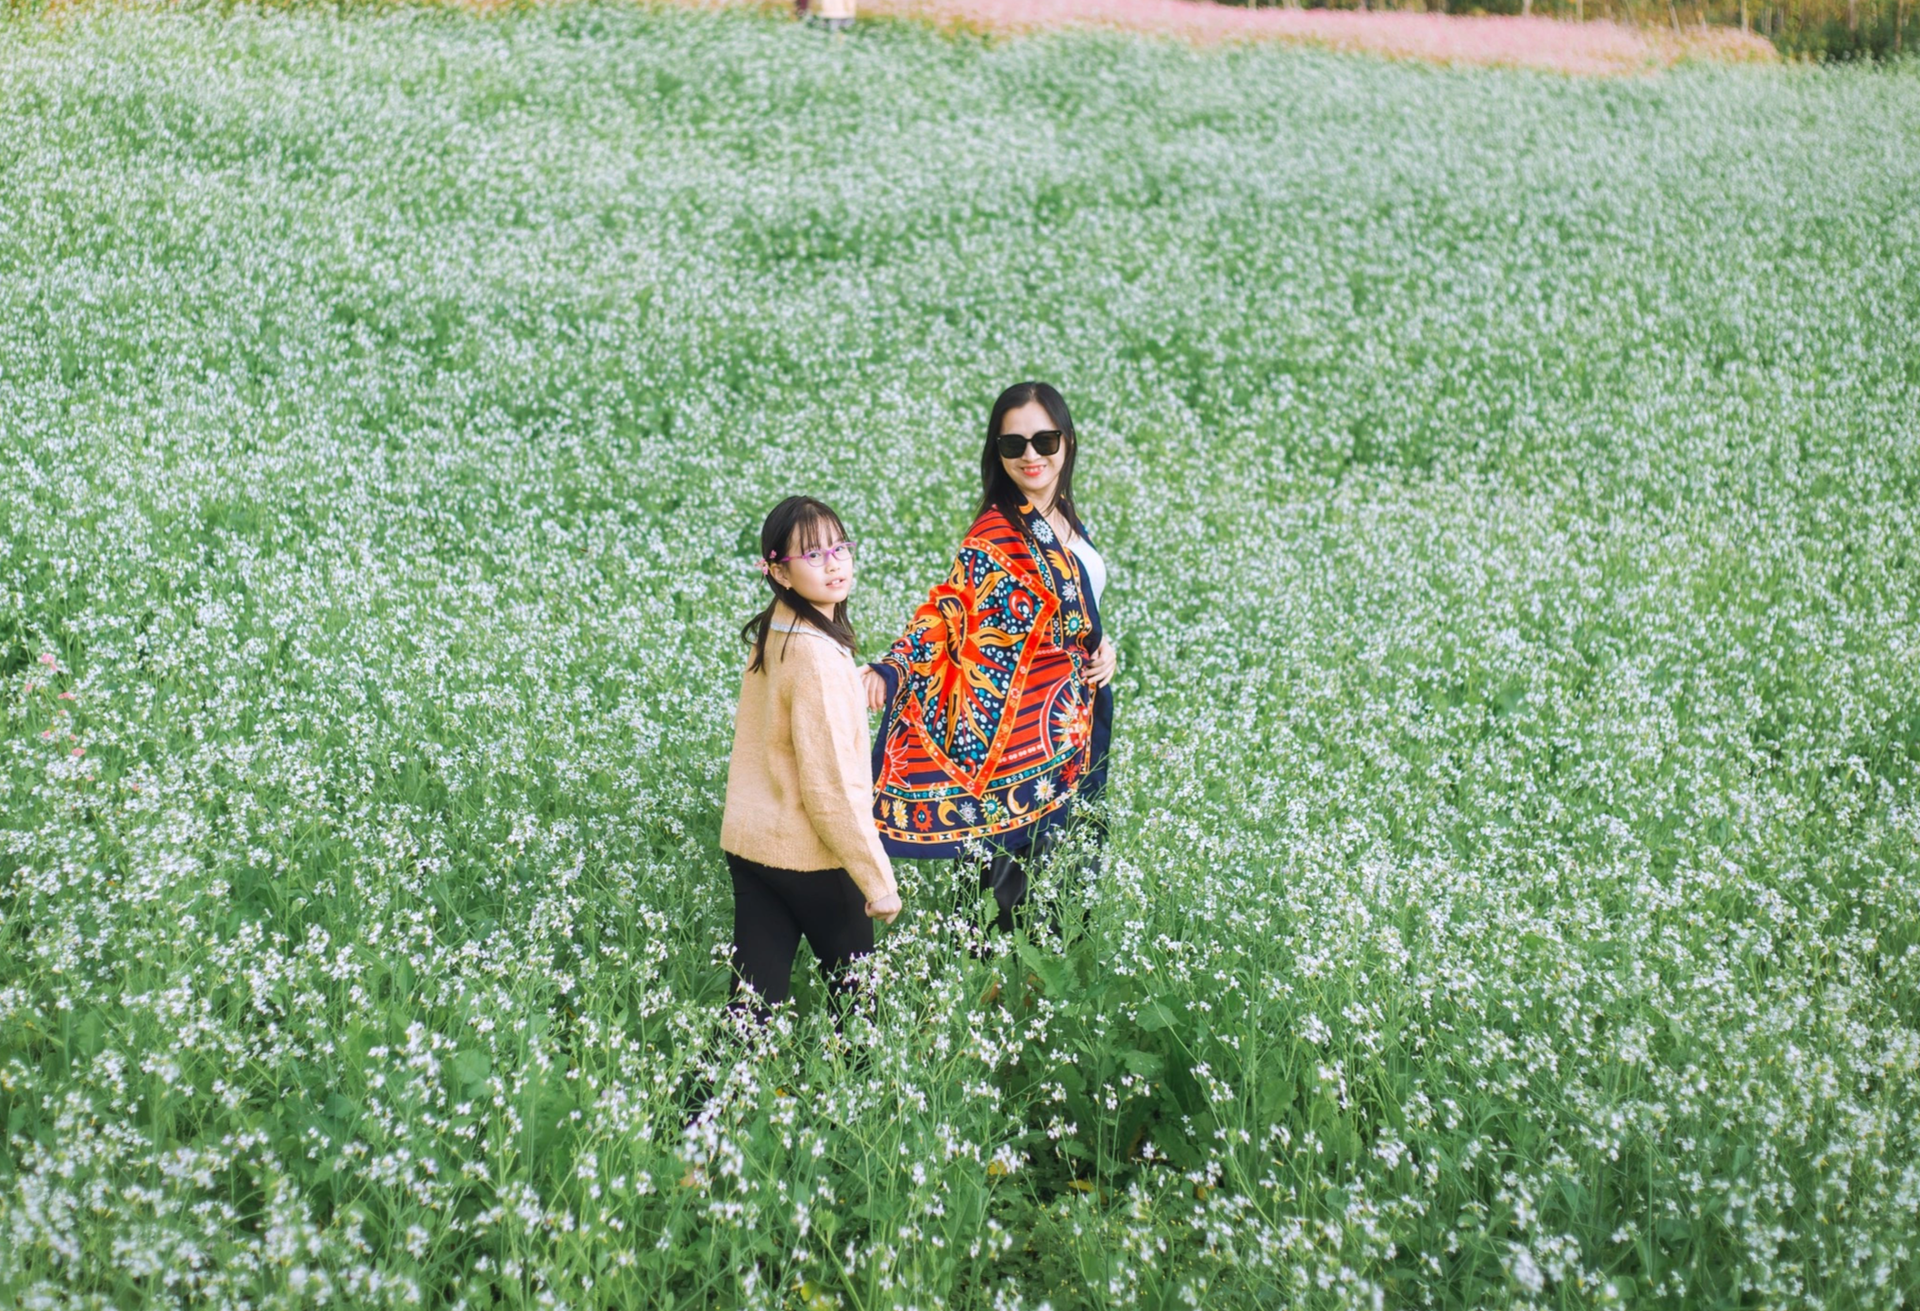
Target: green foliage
(1512,894)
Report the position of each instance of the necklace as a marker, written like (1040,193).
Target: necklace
(1060,524)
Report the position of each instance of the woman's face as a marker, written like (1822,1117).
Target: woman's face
(1036,475)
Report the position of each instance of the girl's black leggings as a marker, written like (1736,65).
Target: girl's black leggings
(774,908)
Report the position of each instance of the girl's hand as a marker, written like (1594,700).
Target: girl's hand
(885,908)
(1100,668)
(876,688)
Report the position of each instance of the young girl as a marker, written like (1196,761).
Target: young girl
(798,829)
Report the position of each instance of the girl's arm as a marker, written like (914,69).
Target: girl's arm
(836,777)
(878,687)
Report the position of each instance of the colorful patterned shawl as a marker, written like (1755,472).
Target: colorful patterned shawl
(990,725)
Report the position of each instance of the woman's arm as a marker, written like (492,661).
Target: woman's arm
(927,628)
(1100,668)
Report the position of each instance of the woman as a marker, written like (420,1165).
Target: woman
(997,700)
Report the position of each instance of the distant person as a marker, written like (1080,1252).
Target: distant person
(798,830)
(997,700)
(834,15)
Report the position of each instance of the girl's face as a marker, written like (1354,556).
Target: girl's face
(1037,475)
(819,565)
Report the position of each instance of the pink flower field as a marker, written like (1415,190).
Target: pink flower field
(1595,48)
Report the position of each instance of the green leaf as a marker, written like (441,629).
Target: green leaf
(1051,970)
(471,1068)
(89,1035)
(1155,1016)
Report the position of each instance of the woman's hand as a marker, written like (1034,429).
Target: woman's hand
(876,688)
(885,908)
(1100,668)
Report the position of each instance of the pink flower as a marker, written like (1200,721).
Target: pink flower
(66,696)
(48,660)
(47,736)
(77,752)
(1598,48)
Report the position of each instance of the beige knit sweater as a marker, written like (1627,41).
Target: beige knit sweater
(800,781)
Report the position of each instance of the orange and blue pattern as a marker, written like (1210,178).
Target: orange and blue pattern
(989,726)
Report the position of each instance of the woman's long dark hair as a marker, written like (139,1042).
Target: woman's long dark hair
(997,490)
(798,521)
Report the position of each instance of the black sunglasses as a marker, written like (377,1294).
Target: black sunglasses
(1013,445)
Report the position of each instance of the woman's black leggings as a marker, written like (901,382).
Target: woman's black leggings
(774,908)
(1006,872)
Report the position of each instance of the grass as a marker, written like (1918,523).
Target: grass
(1509,488)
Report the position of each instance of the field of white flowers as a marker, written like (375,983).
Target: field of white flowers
(1512,487)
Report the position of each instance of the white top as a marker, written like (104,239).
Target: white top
(1091,562)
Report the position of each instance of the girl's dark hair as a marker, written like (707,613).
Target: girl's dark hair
(803,522)
(997,490)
